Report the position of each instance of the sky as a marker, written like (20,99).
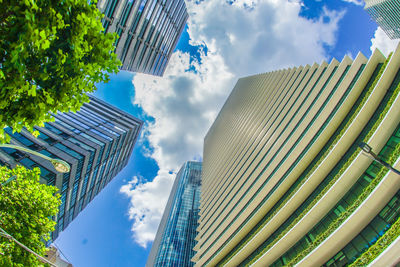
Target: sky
(222,41)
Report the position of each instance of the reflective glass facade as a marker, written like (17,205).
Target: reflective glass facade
(284,181)
(148,31)
(96,141)
(387,14)
(175,239)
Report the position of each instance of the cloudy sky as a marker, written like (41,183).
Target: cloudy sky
(223,41)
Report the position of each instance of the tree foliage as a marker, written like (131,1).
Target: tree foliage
(26,208)
(51,53)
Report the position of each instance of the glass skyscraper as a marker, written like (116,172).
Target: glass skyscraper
(175,238)
(387,14)
(148,31)
(96,141)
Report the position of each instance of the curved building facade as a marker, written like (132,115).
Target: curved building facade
(284,180)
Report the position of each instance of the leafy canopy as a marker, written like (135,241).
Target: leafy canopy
(26,208)
(51,53)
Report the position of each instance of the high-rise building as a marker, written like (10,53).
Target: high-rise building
(96,141)
(148,31)
(387,14)
(175,238)
(284,181)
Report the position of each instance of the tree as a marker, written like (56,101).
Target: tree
(26,209)
(51,53)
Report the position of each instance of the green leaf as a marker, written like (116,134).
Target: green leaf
(43,34)
(48,46)
(26,209)
(32,90)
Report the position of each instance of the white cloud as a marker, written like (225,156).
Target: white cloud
(350,55)
(183,114)
(184,102)
(144,210)
(356,2)
(269,36)
(383,42)
(243,38)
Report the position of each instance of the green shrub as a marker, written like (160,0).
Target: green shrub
(380,245)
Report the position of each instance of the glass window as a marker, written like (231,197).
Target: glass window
(85,182)
(81,144)
(350,251)
(373,170)
(65,181)
(115,127)
(46,138)
(109,12)
(378,224)
(87,148)
(71,214)
(101,134)
(62,206)
(94,140)
(82,117)
(94,118)
(69,118)
(369,233)
(25,141)
(60,224)
(359,243)
(80,204)
(109,130)
(74,154)
(69,151)
(52,128)
(94,177)
(74,193)
(49,176)
(66,125)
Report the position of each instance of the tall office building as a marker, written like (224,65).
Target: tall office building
(387,14)
(175,238)
(148,31)
(96,141)
(284,181)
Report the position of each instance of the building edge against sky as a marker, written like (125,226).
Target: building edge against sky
(96,141)
(387,14)
(148,31)
(174,241)
(53,255)
(284,181)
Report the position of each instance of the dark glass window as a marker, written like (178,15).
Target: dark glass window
(46,138)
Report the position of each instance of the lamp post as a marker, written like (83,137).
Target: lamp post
(367,150)
(59,165)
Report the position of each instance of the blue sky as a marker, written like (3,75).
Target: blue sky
(221,43)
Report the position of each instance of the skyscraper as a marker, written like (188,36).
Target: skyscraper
(175,239)
(96,141)
(387,14)
(284,181)
(148,31)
